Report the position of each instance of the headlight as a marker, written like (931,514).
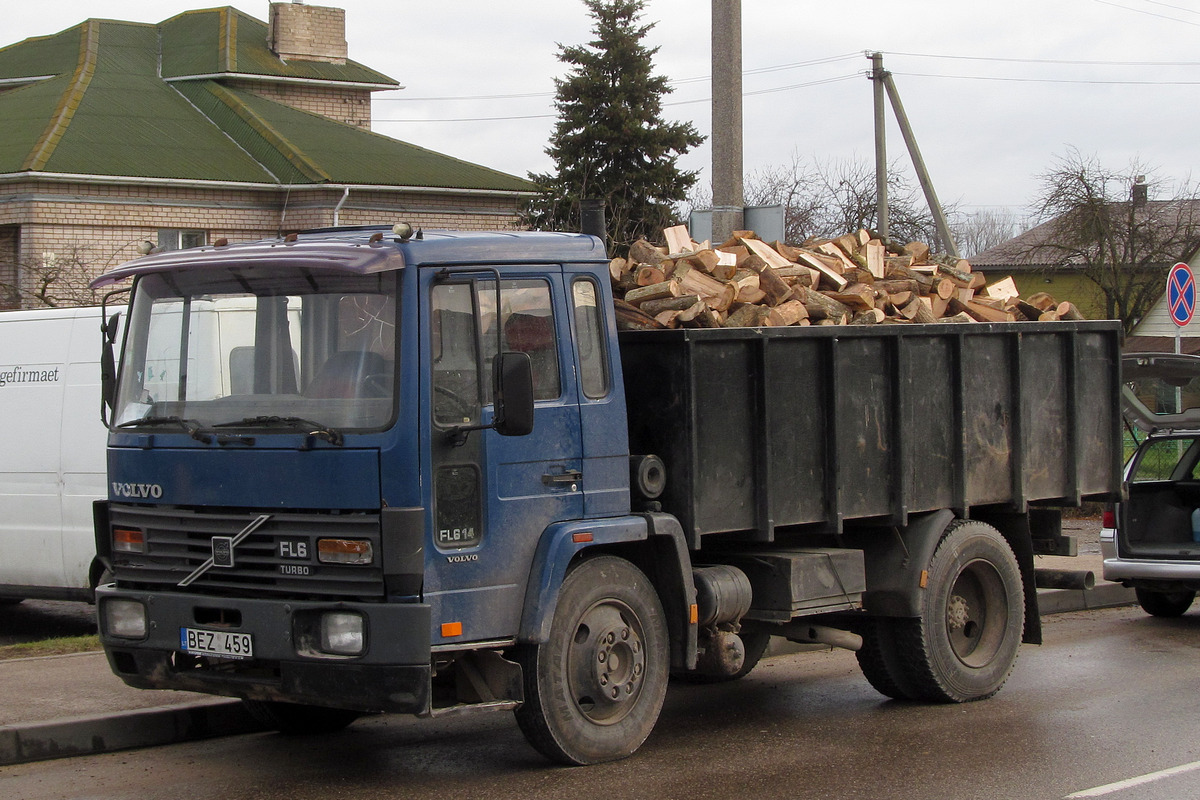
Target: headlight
(125,618)
(343,633)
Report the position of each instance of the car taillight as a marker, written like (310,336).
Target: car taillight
(1109,518)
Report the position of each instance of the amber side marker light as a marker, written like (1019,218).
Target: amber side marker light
(450,629)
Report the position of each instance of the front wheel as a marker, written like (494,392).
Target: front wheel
(1165,604)
(594,690)
(965,643)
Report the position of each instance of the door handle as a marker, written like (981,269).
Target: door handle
(570,477)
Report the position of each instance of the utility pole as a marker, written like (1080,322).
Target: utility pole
(881,168)
(881,76)
(728,193)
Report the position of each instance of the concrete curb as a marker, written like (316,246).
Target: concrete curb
(121,730)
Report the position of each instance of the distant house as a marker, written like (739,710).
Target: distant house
(210,125)
(1039,261)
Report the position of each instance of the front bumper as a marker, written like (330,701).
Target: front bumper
(392,675)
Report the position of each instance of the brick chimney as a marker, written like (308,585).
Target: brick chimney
(307,33)
(1140,193)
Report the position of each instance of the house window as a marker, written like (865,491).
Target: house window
(180,238)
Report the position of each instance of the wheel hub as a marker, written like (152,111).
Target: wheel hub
(608,663)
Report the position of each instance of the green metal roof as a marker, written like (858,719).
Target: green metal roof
(94,104)
(226,41)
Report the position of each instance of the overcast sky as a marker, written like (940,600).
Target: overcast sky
(994,91)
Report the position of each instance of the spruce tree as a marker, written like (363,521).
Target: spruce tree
(610,142)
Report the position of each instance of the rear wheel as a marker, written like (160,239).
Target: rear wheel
(879,662)
(298,719)
(1165,604)
(594,690)
(965,643)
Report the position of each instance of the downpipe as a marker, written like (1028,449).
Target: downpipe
(1064,579)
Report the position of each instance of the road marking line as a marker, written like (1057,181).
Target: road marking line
(1131,782)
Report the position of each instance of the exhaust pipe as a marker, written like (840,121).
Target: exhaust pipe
(820,634)
(1064,579)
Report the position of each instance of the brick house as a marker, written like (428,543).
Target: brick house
(210,125)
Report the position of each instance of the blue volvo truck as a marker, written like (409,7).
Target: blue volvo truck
(358,471)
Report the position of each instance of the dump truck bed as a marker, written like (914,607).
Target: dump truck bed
(769,428)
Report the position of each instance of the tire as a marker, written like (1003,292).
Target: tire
(1165,604)
(295,719)
(755,641)
(879,661)
(964,645)
(608,635)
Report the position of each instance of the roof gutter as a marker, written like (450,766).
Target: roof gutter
(66,177)
(248,76)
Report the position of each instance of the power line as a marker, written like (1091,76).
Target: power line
(1047,80)
(1067,62)
(1144,11)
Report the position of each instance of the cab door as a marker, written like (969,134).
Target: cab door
(492,496)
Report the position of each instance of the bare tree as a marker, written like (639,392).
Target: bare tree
(1102,224)
(985,229)
(59,282)
(832,198)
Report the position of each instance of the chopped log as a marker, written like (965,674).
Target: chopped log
(1004,289)
(944,288)
(962,265)
(630,318)
(642,252)
(722,300)
(1024,309)
(875,253)
(747,316)
(690,313)
(828,273)
(776,290)
(679,240)
(616,268)
(647,275)
(909,309)
(1068,310)
(897,271)
(766,252)
(894,285)
(963,280)
(1049,316)
(792,312)
(919,252)
(858,275)
(655,291)
(898,299)
(696,282)
(829,248)
(988,314)
(918,310)
(858,296)
(1042,300)
(872,316)
(938,305)
(707,318)
(667,319)
(849,244)
(796,274)
(960,317)
(821,306)
(751,294)
(681,303)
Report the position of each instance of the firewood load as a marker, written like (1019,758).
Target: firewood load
(852,280)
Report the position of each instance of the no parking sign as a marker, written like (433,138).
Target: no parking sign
(1181,294)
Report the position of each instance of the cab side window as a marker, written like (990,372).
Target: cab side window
(527,325)
(589,337)
(455,355)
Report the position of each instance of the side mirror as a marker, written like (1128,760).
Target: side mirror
(108,366)
(513,392)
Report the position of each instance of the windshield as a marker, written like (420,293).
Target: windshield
(259,348)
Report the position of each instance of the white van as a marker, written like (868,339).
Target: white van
(52,444)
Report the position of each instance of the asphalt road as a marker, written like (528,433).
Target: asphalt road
(34,620)
(1112,696)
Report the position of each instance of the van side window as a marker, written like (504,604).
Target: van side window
(1161,461)
(455,355)
(589,338)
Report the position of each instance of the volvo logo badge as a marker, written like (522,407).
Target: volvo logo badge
(222,549)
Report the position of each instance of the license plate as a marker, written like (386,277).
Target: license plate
(222,644)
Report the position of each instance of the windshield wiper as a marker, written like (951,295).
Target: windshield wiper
(331,435)
(193,428)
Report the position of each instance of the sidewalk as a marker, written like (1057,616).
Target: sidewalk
(61,706)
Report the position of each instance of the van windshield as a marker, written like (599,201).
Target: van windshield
(256,347)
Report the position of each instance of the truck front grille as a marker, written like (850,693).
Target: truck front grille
(278,558)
